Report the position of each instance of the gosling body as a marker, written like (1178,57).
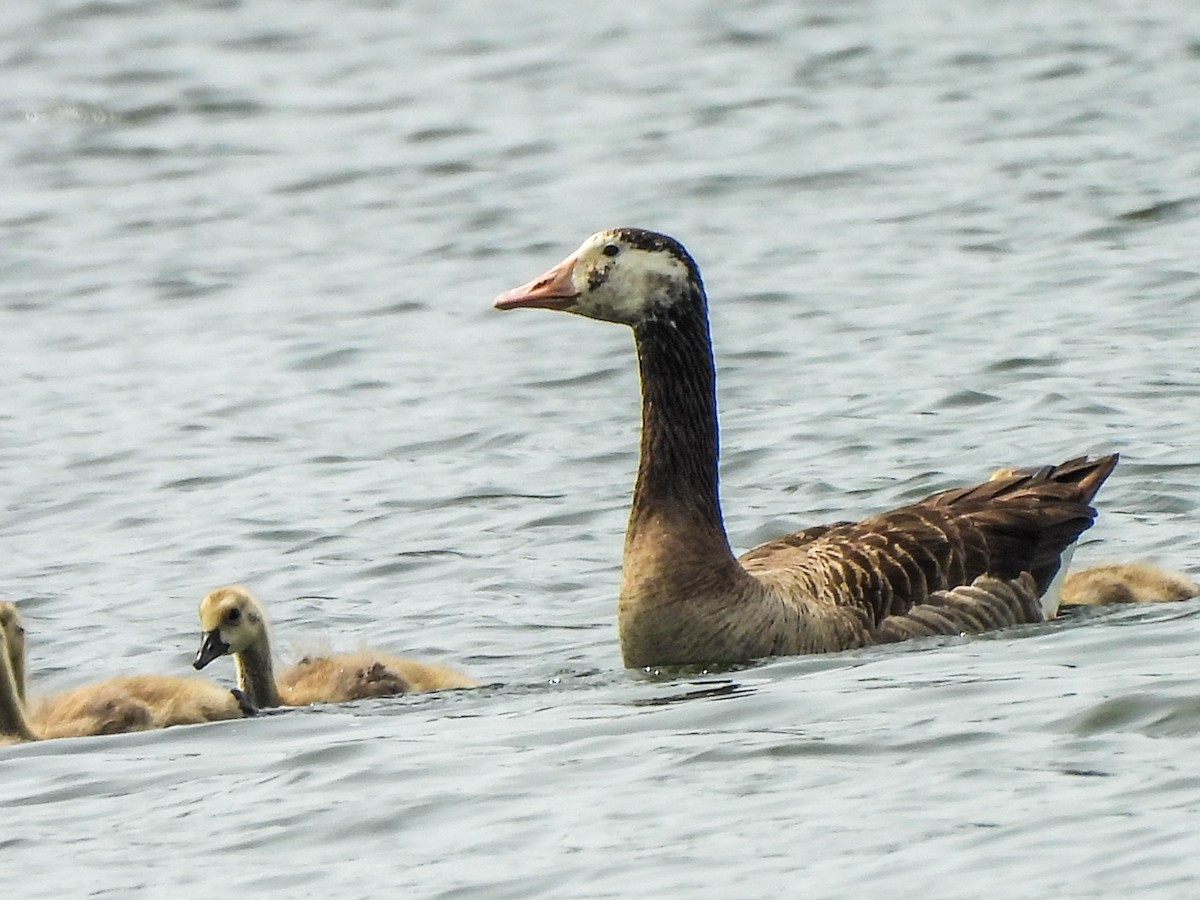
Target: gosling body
(1131,582)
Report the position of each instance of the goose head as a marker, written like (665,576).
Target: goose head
(231,621)
(624,275)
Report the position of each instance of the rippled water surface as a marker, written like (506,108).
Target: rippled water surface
(247,256)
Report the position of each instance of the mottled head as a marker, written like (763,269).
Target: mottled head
(231,621)
(624,275)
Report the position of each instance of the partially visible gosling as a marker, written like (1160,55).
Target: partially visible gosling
(1005,472)
(232,621)
(1134,582)
(109,707)
(14,635)
(103,711)
(135,703)
(101,708)
(14,726)
(113,706)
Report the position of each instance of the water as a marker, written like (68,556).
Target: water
(248,253)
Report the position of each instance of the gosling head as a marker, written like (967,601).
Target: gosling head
(231,621)
(624,275)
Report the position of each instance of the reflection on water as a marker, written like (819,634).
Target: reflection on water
(703,691)
(1152,715)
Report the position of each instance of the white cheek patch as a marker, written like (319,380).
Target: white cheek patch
(621,298)
(663,264)
(642,279)
(624,288)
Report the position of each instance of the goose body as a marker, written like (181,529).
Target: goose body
(113,706)
(686,599)
(233,622)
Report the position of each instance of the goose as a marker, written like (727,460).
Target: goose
(232,621)
(113,706)
(685,599)
(1131,582)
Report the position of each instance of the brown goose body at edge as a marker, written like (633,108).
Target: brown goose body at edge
(953,562)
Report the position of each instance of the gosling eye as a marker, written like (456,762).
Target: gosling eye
(233,616)
(611,250)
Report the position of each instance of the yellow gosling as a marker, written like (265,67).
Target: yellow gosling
(135,703)
(14,726)
(232,622)
(14,635)
(111,707)
(1133,582)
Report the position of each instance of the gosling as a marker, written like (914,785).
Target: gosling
(232,621)
(1132,582)
(114,706)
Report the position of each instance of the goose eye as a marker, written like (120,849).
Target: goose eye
(233,616)
(611,250)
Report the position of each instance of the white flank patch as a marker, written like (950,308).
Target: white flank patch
(1053,596)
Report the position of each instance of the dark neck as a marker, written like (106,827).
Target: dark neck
(677,476)
(256,677)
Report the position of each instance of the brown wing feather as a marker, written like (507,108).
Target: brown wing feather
(892,563)
(984,604)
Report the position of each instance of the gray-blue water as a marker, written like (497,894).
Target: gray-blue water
(247,252)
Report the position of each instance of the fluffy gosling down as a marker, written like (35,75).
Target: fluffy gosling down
(1132,582)
(232,621)
(113,706)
